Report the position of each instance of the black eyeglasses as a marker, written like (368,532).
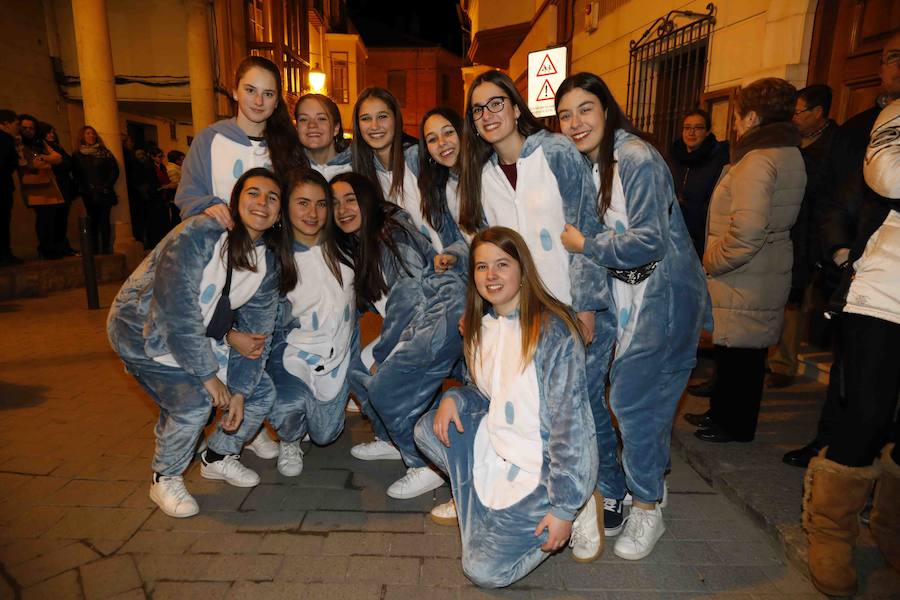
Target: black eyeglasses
(494,105)
(891,58)
(797,113)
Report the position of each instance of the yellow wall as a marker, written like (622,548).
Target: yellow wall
(147,38)
(488,14)
(356,52)
(751,39)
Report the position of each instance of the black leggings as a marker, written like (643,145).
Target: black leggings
(737,391)
(871,379)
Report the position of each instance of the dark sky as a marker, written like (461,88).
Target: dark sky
(407,23)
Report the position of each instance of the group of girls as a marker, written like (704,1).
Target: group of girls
(491,257)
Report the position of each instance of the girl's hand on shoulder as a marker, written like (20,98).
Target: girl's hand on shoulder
(235,413)
(220,213)
(444,262)
(572,239)
(587,322)
(446,413)
(219,394)
(558,532)
(249,345)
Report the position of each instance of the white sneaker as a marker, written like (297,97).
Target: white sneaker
(263,446)
(445,514)
(230,470)
(352,407)
(628,501)
(643,528)
(173,498)
(587,531)
(377,450)
(417,481)
(290,459)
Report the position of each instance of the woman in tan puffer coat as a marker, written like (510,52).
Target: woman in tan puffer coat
(749,253)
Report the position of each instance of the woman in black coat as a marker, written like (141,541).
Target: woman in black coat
(97,170)
(68,185)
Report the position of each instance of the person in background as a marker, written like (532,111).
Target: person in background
(68,186)
(696,161)
(9,162)
(174,159)
(748,255)
(817,132)
(39,187)
(159,221)
(840,479)
(97,172)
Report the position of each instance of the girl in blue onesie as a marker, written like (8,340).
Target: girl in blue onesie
(516,174)
(419,343)
(322,134)
(260,135)
(660,296)
(521,454)
(381,154)
(316,330)
(167,322)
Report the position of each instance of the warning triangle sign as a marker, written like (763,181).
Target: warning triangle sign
(547,67)
(547,92)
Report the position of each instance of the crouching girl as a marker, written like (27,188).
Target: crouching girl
(167,324)
(315,329)
(419,344)
(521,455)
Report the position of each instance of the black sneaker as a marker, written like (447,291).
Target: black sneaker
(613,516)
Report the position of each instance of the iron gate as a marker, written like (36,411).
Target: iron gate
(666,73)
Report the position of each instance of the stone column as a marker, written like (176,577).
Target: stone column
(200,67)
(101,110)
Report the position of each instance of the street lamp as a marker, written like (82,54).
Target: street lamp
(317,80)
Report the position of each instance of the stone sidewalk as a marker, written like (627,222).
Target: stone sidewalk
(76,434)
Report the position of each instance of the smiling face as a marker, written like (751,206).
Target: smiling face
(582,119)
(346,209)
(494,127)
(308,211)
(90,136)
(257,97)
(693,131)
(259,204)
(314,125)
(442,140)
(498,278)
(376,124)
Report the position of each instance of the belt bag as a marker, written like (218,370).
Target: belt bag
(223,316)
(634,276)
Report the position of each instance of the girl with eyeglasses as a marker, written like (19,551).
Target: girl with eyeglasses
(517,443)
(322,135)
(419,345)
(660,298)
(514,173)
(168,324)
(381,153)
(259,135)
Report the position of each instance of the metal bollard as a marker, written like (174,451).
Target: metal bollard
(87,262)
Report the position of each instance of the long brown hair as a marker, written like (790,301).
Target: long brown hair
(536,304)
(281,136)
(334,113)
(475,151)
(433,177)
(615,120)
(364,156)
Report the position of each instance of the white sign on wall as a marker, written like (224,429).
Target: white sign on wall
(546,71)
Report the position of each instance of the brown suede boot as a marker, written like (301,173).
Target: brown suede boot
(885,520)
(833,497)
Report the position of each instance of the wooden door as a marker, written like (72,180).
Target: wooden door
(848,37)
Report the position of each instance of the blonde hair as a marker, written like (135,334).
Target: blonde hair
(536,304)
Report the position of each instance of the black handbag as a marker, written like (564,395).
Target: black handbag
(223,316)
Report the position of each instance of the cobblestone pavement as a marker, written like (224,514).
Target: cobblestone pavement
(76,522)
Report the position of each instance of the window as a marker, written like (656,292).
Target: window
(340,77)
(397,85)
(666,73)
(277,30)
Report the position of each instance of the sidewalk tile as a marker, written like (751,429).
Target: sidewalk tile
(64,585)
(181,590)
(208,567)
(105,523)
(52,563)
(108,577)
